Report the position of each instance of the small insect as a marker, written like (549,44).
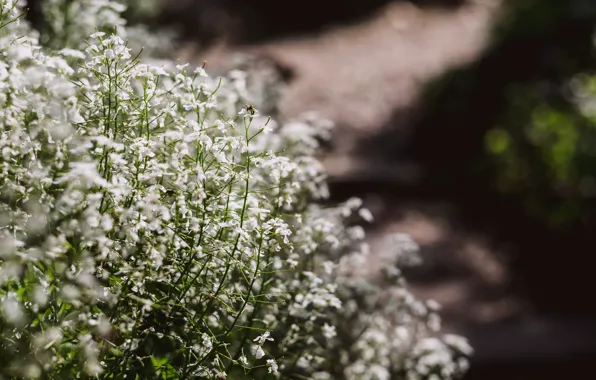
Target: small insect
(250,108)
(211,296)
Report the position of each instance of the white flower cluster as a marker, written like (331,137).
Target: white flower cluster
(69,23)
(154,225)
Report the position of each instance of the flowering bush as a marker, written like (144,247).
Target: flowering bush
(154,226)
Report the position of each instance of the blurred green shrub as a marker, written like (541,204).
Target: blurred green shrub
(544,146)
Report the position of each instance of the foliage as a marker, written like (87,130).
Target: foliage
(545,147)
(541,146)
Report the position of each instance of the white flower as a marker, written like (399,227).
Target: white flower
(366,215)
(258,351)
(272,366)
(207,343)
(201,72)
(48,338)
(13,311)
(329,331)
(329,266)
(459,343)
(261,339)
(72,53)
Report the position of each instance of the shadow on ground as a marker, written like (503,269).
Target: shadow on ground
(252,21)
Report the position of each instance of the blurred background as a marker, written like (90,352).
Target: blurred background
(469,124)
